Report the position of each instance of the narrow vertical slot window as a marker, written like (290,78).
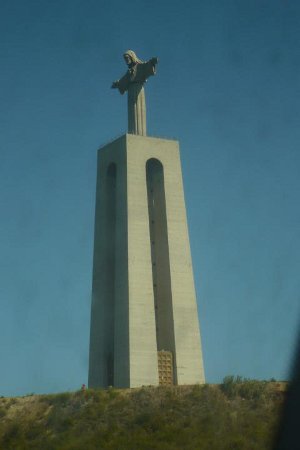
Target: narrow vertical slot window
(110,269)
(160,261)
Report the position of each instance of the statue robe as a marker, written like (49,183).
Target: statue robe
(133,82)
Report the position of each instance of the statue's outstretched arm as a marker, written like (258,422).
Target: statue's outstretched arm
(115,84)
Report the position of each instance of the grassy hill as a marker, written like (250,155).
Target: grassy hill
(236,415)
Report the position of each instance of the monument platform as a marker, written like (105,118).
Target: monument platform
(143,299)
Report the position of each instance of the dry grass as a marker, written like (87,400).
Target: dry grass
(239,414)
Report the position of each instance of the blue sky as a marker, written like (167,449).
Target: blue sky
(228,88)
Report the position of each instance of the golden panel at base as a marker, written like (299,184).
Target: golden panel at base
(165,368)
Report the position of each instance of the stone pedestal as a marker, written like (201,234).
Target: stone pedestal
(143,289)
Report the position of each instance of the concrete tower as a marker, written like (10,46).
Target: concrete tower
(144,321)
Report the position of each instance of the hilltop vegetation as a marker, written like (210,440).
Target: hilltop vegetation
(236,415)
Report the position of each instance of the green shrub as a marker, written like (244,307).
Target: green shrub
(60,399)
(229,386)
(3,412)
(112,393)
(234,387)
(12,433)
(252,389)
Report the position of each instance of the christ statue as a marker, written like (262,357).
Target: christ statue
(133,82)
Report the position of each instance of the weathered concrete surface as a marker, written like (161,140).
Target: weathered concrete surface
(133,329)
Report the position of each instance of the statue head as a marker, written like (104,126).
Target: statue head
(131,59)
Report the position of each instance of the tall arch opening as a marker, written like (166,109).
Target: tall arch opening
(161,271)
(110,269)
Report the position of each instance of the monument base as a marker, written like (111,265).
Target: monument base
(143,299)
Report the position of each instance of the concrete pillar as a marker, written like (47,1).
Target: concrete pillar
(143,288)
